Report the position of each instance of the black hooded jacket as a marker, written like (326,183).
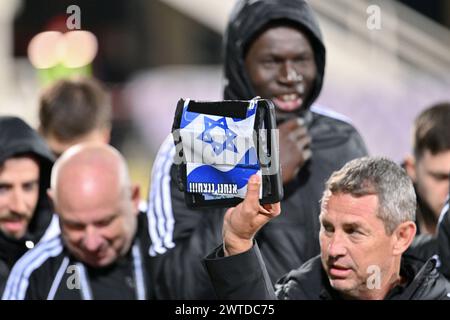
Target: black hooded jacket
(17,138)
(244,277)
(183,236)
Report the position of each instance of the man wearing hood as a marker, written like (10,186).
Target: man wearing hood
(273,49)
(25,210)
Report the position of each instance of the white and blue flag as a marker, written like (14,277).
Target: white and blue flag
(220,152)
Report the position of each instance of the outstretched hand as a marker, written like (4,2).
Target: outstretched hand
(243,221)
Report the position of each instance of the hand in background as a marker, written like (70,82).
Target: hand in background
(294,147)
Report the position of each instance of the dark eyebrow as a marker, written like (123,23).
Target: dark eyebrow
(356,226)
(108,218)
(275,54)
(324,220)
(5,184)
(72,222)
(9,185)
(36,181)
(353,225)
(439,175)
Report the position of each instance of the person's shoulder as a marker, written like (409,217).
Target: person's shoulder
(330,129)
(163,165)
(42,253)
(424,246)
(166,150)
(428,282)
(325,116)
(303,283)
(39,263)
(438,287)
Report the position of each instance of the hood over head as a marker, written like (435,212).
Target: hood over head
(17,138)
(248,19)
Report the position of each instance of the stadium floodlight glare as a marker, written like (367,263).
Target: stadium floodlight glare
(73,49)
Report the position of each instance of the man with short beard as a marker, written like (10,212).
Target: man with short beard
(25,210)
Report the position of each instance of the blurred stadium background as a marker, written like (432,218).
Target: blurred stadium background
(151,53)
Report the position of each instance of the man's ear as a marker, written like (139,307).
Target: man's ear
(403,237)
(410,167)
(135,197)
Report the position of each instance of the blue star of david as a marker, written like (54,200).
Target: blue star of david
(218,147)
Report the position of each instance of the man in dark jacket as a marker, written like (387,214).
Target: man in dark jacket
(367,223)
(429,169)
(25,210)
(273,49)
(102,252)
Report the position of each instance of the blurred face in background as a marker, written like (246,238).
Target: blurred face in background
(430,173)
(19,194)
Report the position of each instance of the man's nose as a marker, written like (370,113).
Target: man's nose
(92,239)
(336,247)
(18,201)
(288,74)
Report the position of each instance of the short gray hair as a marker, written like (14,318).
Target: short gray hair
(382,177)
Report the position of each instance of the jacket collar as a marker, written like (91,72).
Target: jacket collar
(412,270)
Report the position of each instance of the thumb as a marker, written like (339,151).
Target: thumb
(253,187)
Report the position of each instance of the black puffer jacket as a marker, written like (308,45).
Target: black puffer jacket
(291,239)
(244,277)
(16,137)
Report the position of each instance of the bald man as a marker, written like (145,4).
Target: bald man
(102,252)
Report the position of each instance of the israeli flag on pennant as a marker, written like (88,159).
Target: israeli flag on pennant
(220,152)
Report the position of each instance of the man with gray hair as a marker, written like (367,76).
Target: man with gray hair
(102,250)
(367,223)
